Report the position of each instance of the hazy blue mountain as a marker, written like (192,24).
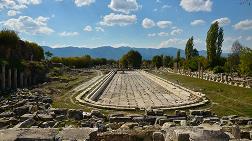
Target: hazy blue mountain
(114,53)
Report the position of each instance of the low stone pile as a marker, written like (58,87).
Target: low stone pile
(199,125)
(26,116)
(18,108)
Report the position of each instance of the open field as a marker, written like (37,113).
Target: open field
(225,99)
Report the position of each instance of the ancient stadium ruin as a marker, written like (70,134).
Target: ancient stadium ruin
(132,90)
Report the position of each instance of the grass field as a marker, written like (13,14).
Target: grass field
(225,99)
(60,88)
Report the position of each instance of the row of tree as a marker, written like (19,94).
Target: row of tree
(14,50)
(239,60)
(25,56)
(82,62)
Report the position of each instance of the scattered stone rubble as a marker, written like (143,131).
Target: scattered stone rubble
(27,116)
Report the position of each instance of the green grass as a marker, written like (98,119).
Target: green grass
(60,90)
(225,99)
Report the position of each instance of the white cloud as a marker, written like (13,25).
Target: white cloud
(13,13)
(118,19)
(151,35)
(163,34)
(197,22)
(65,34)
(177,42)
(244,25)
(176,31)
(27,2)
(124,6)
(196,5)
(230,39)
(17,4)
(28,25)
(99,29)
(80,3)
(174,42)
(164,24)
(148,23)
(223,21)
(249,38)
(88,28)
(11,4)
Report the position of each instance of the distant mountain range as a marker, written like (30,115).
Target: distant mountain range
(115,53)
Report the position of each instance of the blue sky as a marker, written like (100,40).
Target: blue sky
(135,23)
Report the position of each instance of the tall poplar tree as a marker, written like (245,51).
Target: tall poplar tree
(211,44)
(219,43)
(189,48)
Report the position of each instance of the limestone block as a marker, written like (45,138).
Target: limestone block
(89,134)
(28,134)
(180,135)
(158,136)
(25,124)
(45,117)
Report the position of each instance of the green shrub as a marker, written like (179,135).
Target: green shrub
(218,69)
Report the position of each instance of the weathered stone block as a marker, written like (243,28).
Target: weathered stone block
(236,132)
(25,124)
(59,111)
(45,117)
(195,112)
(75,114)
(97,113)
(26,116)
(6,114)
(47,100)
(245,134)
(158,136)
(89,134)
(21,110)
(180,113)
(4,123)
